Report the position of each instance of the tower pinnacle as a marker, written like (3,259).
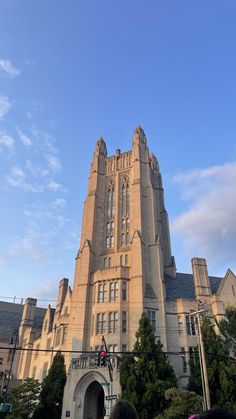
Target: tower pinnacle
(139,136)
(101,148)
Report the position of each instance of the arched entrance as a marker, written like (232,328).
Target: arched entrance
(94,401)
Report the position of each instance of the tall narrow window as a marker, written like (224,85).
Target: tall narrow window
(110,215)
(102,293)
(101,323)
(190,326)
(180,325)
(58,337)
(113,322)
(113,291)
(45,370)
(124,291)
(124,321)
(64,335)
(152,318)
(184,360)
(125,204)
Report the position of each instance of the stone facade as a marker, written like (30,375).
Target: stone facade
(124,266)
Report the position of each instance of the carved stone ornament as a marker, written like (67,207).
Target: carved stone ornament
(101,148)
(139,136)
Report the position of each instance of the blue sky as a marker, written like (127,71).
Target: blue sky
(73,71)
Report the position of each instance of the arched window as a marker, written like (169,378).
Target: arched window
(126,260)
(122,260)
(110,226)
(111,201)
(125,209)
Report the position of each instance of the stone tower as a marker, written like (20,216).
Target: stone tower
(125,249)
(124,253)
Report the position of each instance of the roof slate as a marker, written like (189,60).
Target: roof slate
(10,318)
(182,286)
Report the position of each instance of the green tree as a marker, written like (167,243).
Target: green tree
(183,404)
(51,396)
(227,327)
(146,373)
(24,398)
(220,367)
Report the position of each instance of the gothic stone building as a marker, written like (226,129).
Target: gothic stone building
(124,267)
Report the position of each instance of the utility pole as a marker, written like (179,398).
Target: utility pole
(202,358)
(13,341)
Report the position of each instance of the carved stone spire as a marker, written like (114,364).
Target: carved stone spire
(153,162)
(139,136)
(101,148)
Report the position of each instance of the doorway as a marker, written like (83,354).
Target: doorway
(94,401)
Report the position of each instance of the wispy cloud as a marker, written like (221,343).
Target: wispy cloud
(8,70)
(53,162)
(25,139)
(17,179)
(208,227)
(38,173)
(5,106)
(6,142)
(47,229)
(54,186)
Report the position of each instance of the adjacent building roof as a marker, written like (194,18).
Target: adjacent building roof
(10,318)
(182,286)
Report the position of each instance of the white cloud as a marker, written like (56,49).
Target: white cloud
(35,170)
(45,145)
(17,179)
(54,186)
(207,228)
(7,142)
(53,162)
(24,138)
(8,70)
(5,106)
(47,228)
(29,245)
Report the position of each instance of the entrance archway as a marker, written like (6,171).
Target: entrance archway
(94,401)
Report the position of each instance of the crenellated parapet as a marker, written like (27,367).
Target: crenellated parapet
(119,162)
